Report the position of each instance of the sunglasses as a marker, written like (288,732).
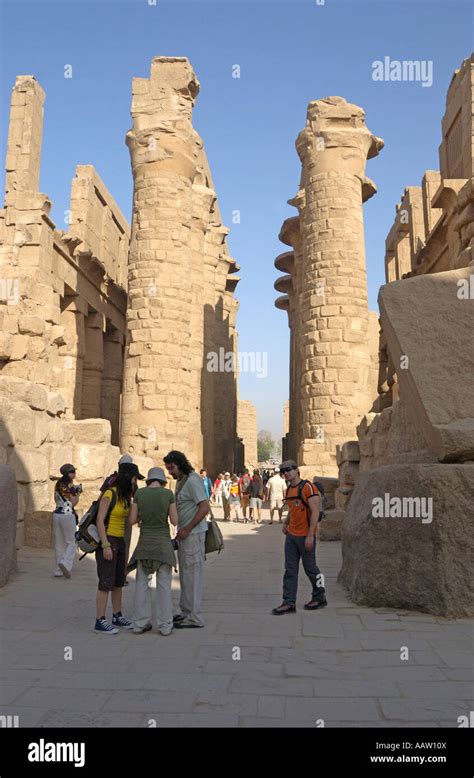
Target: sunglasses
(287,469)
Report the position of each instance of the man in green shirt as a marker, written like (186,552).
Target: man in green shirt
(193,507)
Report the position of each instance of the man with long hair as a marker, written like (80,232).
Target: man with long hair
(193,507)
(114,509)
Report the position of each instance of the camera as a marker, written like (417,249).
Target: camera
(175,544)
(77,489)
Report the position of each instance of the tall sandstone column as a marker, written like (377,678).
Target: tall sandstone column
(178,310)
(333,149)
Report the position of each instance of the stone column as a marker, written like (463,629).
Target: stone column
(72,355)
(164,148)
(112,380)
(333,149)
(93,367)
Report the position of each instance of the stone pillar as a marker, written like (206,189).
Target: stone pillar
(72,353)
(93,367)
(112,380)
(333,149)
(25,134)
(164,148)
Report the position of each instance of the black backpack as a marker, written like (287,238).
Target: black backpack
(322,499)
(87,536)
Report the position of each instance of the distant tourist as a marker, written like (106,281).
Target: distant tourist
(193,507)
(234,499)
(275,492)
(217,490)
(207,487)
(225,495)
(300,528)
(244,489)
(256,497)
(114,508)
(154,554)
(66,497)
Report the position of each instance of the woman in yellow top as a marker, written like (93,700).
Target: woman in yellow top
(111,560)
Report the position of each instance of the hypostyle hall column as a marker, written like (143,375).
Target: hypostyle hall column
(159,402)
(333,149)
(93,367)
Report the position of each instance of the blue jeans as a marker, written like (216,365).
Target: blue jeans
(294,551)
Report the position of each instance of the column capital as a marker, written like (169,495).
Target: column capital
(336,138)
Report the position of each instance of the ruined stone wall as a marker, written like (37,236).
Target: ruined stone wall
(433,229)
(181,307)
(62,323)
(416,444)
(247,430)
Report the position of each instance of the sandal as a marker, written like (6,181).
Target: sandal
(283,608)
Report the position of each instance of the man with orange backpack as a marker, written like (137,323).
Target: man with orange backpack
(300,528)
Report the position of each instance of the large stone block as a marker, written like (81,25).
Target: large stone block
(412,562)
(38,529)
(428,320)
(30,465)
(8,519)
(90,431)
(330,527)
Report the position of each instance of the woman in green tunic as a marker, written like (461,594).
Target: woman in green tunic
(154,508)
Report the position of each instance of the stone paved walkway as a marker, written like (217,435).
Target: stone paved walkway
(341,665)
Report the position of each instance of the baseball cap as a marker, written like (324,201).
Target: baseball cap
(288,463)
(131,469)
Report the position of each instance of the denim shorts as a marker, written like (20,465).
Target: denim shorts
(256,502)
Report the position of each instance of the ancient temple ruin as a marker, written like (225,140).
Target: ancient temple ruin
(404,491)
(107,330)
(325,286)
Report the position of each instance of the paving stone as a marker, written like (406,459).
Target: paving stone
(99,720)
(345,659)
(217,702)
(188,682)
(66,699)
(330,709)
(423,710)
(158,701)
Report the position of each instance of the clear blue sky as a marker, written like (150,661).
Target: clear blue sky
(289,52)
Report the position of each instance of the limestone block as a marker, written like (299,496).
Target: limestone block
(342,497)
(330,527)
(38,529)
(19,347)
(427,319)
(8,522)
(90,461)
(89,431)
(30,465)
(431,570)
(348,452)
(39,497)
(31,325)
(58,455)
(55,404)
(5,345)
(348,473)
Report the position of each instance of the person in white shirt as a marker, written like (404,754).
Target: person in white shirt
(275,492)
(225,486)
